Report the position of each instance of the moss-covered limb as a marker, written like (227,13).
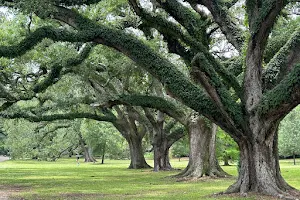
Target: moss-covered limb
(6,105)
(279,101)
(151,102)
(190,20)
(234,66)
(262,16)
(75,2)
(254,16)
(171,29)
(228,4)
(6,94)
(60,2)
(38,35)
(173,32)
(176,47)
(57,67)
(53,117)
(220,14)
(214,87)
(175,135)
(283,62)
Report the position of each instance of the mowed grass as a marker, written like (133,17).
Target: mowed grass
(63,179)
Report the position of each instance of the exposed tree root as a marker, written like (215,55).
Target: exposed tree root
(286,192)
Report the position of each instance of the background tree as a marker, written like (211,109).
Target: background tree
(104,140)
(181,148)
(289,135)
(227,149)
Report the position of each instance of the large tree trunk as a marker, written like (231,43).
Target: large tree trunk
(136,153)
(226,160)
(161,154)
(160,145)
(88,157)
(260,171)
(202,157)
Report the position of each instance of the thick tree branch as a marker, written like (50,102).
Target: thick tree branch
(205,74)
(191,21)
(53,117)
(151,102)
(38,35)
(262,16)
(279,101)
(56,68)
(283,62)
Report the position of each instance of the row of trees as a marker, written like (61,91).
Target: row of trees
(176,72)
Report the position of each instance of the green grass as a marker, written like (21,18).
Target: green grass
(63,179)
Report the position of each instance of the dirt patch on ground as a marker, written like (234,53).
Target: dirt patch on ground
(7,192)
(254,196)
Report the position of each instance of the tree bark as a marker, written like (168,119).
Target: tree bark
(161,154)
(226,160)
(260,171)
(202,157)
(133,134)
(88,157)
(136,153)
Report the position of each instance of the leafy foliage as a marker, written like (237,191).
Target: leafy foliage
(289,134)
(227,149)
(103,138)
(181,148)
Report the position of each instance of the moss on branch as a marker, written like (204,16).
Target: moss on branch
(284,96)
(191,21)
(230,106)
(41,33)
(54,117)
(262,14)
(281,63)
(158,103)
(57,67)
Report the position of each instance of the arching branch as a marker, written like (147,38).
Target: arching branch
(158,103)
(54,117)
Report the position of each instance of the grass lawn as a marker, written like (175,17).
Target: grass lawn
(63,179)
